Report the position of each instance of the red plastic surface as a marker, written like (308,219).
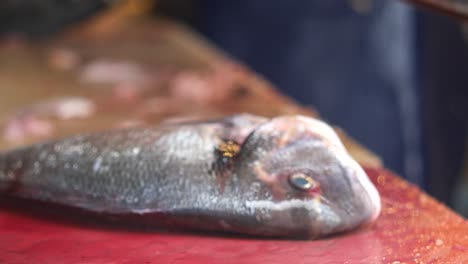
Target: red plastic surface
(413,228)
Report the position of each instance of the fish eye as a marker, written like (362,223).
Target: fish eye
(302,181)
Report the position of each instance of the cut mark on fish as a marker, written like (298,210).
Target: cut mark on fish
(225,152)
(229,148)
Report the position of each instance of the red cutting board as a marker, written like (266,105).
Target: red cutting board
(413,228)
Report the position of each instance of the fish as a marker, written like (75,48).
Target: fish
(287,176)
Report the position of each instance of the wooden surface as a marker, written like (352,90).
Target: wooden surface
(165,60)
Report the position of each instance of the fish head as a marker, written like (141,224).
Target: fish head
(298,179)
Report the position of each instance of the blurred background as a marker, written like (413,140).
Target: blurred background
(394,77)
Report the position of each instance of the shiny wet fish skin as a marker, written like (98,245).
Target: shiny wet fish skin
(224,175)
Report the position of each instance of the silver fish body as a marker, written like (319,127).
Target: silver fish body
(287,176)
